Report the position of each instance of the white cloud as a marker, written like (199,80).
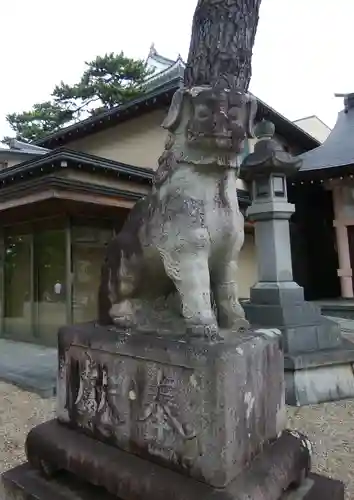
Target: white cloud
(302,53)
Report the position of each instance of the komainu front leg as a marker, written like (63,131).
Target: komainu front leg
(230,312)
(123,314)
(190,274)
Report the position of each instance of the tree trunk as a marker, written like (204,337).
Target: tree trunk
(223,35)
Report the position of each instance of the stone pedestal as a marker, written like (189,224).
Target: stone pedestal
(315,353)
(203,409)
(25,483)
(150,417)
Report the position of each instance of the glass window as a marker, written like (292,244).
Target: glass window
(50,283)
(279,186)
(17,286)
(262,187)
(88,250)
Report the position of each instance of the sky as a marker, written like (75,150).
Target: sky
(303,52)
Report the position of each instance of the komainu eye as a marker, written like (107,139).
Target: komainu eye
(202,112)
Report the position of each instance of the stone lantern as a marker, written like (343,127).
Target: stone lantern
(267,169)
(309,339)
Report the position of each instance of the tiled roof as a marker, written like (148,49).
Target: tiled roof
(153,54)
(338,148)
(22,149)
(176,70)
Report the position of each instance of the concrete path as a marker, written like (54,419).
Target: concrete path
(31,367)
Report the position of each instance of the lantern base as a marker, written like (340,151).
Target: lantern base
(318,361)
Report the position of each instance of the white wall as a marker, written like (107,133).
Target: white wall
(315,127)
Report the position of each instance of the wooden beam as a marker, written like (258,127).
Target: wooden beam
(63,195)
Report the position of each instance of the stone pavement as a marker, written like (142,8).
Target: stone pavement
(346,326)
(31,367)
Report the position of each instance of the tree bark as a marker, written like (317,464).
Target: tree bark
(223,35)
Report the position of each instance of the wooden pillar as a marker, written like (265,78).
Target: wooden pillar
(34,286)
(345,268)
(69,272)
(2,282)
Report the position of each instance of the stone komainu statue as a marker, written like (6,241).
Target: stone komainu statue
(186,235)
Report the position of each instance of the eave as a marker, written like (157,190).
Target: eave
(326,173)
(66,158)
(57,184)
(161,98)
(157,98)
(47,165)
(11,154)
(52,196)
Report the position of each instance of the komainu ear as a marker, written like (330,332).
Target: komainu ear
(251,114)
(172,120)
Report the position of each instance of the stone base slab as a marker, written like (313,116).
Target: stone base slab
(303,327)
(317,487)
(274,293)
(204,409)
(319,377)
(25,483)
(53,447)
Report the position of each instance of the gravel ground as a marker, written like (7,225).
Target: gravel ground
(329,426)
(19,412)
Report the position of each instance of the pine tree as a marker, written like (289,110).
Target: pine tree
(107,81)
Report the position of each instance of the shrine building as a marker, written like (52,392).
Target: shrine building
(63,198)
